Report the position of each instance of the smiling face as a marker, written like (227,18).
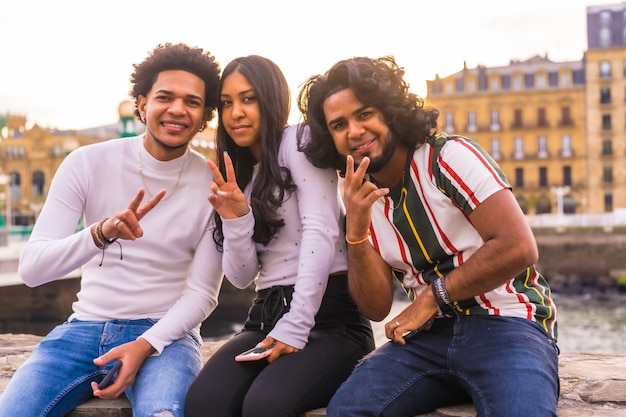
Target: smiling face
(240,112)
(358,130)
(174,110)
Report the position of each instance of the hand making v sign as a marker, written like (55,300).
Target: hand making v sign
(227,198)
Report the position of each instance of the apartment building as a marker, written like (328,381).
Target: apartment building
(605,100)
(30,156)
(557,129)
(530,116)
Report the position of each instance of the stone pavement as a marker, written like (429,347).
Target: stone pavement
(592,385)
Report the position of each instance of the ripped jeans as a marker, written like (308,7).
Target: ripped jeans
(56,378)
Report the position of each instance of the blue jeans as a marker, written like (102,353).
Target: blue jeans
(508,367)
(56,378)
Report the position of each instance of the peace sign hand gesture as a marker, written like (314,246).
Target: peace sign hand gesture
(227,198)
(125,224)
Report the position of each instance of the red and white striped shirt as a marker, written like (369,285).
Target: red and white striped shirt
(422,227)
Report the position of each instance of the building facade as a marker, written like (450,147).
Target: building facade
(29,157)
(605,96)
(557,129)
(530,116)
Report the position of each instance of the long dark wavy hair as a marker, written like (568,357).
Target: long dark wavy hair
(273,183)
(165,57)
(376,82)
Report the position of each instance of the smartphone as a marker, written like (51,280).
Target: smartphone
(254,354)
(108,378)
(411,333)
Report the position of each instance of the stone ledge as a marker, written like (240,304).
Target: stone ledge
(592,385)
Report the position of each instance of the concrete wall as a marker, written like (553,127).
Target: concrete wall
(584,261)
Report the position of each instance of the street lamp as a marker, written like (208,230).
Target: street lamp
(126,111)
(560,192)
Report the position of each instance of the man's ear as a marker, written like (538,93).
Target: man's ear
(141,107)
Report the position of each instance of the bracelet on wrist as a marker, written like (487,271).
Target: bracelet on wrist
(94,235)
(358,242)
(441,296)
(101,241)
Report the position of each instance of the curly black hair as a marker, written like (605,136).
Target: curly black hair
(168,56)
(376,82)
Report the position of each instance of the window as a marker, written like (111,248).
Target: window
(605,95)
(605,68)
(517,118)
(495,120)
(566,146)
(541,81)
(449,87)
(505,82)
(518,148)
(566,118)
(519,177)
(607,174)
(495,149)
(541,117)
(38,184)
(15,152)
(459,87)
(449,122)
(471,121)
(567,175)
(605,37)
(523,203)
(569,204)
(517,82)
(542,147)
(565,79)
(494,82)
(608,202)
(605,17)
(543,176)
(471,86)
(15,186)
(607,148)
(606,122)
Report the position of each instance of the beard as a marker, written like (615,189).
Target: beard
(379,162)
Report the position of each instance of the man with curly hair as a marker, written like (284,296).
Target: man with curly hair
(150,269)
(435,211)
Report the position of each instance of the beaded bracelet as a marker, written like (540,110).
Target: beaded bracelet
(101,240)
(94,234)
(358,242)
(441,296)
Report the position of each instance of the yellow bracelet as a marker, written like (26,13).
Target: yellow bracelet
(358,242)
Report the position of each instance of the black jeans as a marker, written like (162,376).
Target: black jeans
(295,383)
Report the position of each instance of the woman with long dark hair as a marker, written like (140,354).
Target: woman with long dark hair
(280,225)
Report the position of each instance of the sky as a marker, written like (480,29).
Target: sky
(66,64)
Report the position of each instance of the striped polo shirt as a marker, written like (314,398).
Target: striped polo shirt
(422,228)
